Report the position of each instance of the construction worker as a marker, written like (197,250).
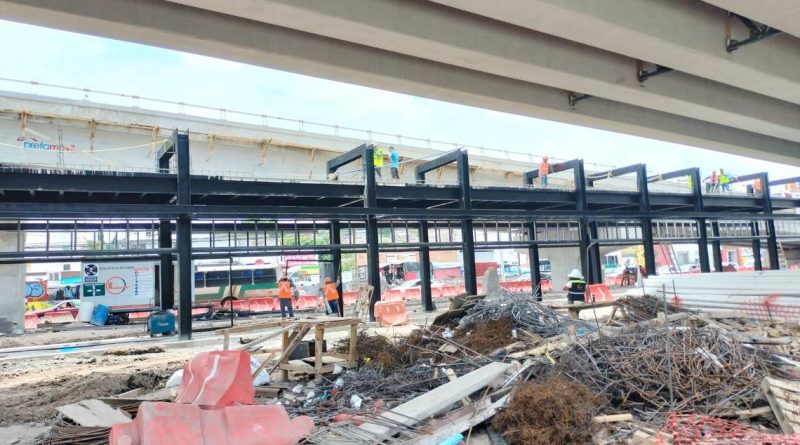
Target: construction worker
(544,170)
(575,287)
(757,187)
(394,163)
(377,159)
(724,181)
(712,181)
(285,295)
(332,295)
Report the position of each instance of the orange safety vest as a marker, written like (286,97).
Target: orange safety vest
(284,289)
(544,168)
(757,185)
(330,292)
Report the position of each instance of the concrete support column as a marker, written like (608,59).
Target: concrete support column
(12,282)
(425,268)
(166,272)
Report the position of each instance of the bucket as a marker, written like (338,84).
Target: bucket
(85,311)
(100,315)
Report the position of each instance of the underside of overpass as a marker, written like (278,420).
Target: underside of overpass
(688,72)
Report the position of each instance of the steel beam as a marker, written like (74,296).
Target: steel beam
(346,158)
(425,268)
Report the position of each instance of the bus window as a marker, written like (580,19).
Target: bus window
(265,276)
(216,278)
(199,279)
(242,277)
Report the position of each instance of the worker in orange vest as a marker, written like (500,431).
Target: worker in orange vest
(285,295)
(331,295)
(544,170)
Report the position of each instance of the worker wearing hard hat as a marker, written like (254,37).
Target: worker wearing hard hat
(575,287)
(377,158)
(331,293)
(544,170)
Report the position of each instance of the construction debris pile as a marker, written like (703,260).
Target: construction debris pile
(518,371)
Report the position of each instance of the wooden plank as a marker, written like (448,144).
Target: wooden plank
(305,368)
(226,341)
(610,418)
(353,351)
(250,327)
(319,338)
(784,384)
(437,400)
(451,375)
(290,343)
(326,360)
(262,366)
(788,425)
(459,421)
(93,412)
(248,346)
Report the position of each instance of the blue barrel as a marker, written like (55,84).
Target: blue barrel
(100,315)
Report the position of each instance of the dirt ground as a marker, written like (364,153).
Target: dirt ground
(31,390)
(69,334)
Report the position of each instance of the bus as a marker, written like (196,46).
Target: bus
(214,283)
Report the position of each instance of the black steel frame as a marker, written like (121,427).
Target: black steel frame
(176,198)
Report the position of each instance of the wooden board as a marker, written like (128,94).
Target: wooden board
(784,398)
(93,412)
(437,400)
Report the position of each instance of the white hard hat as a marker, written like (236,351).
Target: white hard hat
(575,274)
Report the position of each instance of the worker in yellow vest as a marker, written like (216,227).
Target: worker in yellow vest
(285,295)
(331,295)
(377,159)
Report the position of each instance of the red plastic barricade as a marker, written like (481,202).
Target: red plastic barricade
(599,292)
(240,305)
(216,379)
(391,313)
(31,321)
(412,293)
(59,317)
(261,304)
(163,423)
(392,295)
(350,297)
(141,315)
(547,285)
(436,292)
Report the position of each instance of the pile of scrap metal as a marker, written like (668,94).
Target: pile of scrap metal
(521,373)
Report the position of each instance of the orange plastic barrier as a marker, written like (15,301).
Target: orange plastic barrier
(140,315)
(31,321)
(599,292)
(412,293)
(350,297)
(262,304)
(391,313)
(59,317)
(240,306)
(217,379)
(392,295)
(547,285)
(163,423)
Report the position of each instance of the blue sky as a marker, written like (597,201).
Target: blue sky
(51,56)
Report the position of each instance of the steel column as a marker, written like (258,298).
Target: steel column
(184,237)
(716,246)
(581,205)
(757,263)
(425,267)
(595,262)
(647,223)
(533,260)
(336,239)
(467,233)
(373,248)
(772,237)
(166,271)
(699,206)
(185,278)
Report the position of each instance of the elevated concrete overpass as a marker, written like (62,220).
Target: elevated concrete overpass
(587,63)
